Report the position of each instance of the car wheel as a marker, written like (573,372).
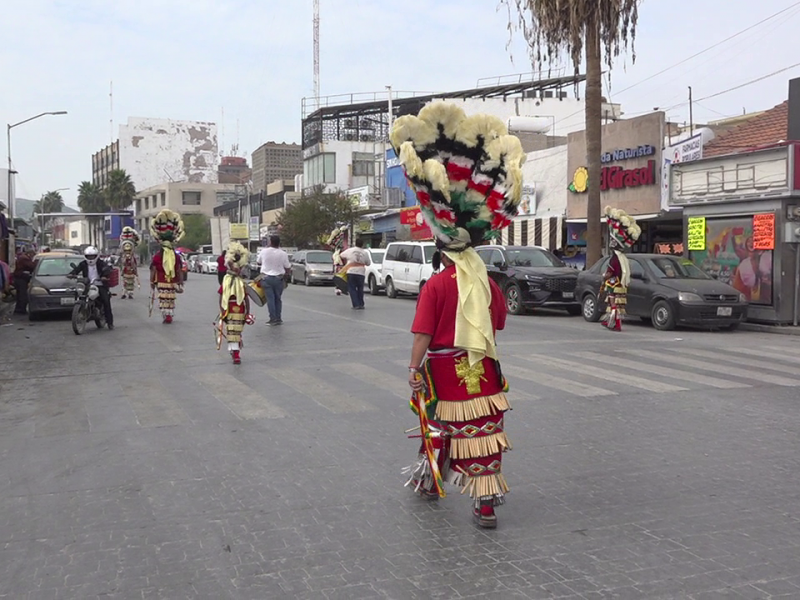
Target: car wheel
(514,299)
(590,308)
(373,285)
(574,311)
(663,316)
(391,291)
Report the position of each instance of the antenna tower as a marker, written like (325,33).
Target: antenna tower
(316,52)
(111,110)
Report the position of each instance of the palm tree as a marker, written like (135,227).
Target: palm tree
(51,202)
(120,191)
(91,199)
(603,27)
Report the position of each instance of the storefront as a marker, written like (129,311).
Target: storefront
(631,179)
(742,225)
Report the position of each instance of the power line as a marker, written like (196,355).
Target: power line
(735,35)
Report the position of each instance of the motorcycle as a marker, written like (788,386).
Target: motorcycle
(88,306)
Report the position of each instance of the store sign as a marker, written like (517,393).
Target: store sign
(764,231)
(617,178)
(696,233)
(239,231)
(418,228)
(668,248)
(527,204)
(254,229)
(628,153)
(359,197)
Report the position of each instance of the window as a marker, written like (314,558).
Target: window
(163,199)
(138,205)
(363,164)
(416,255)
(391,253)
(403,253)
(636,268)
(73,234)
(147,202)
(319,169)
(190,198)
(496,258)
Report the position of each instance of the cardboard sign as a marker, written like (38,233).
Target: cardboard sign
(696,233)
(764,231)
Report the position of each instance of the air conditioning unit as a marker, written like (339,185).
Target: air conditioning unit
(350,137)
(366,124)
(350,123)
(366,137)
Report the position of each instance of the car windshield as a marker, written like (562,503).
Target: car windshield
(532,257)
(55,266)
(676,268)
(377,256)
(429,252)
(319,257)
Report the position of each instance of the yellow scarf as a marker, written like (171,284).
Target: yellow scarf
(168,260)
(232,285)
(474,332)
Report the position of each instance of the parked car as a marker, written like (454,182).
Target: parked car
(208,264)
(184,265)
(531,277)
(50,291)
(669,291)
(375,270)
(407,266)
(312,266)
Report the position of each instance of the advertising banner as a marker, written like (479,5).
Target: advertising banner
(239,231)
(418,227)
(696,233)
(730,255)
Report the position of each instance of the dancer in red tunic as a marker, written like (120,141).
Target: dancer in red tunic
(233,301)
(467,177)
(622,233)
(166,274)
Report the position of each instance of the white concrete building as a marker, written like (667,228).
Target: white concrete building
(153,151)
(183,198)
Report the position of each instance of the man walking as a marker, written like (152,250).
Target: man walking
(274,268)
(357,262)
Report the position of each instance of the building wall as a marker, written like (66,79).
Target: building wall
(152,150)
(171,195)
(544,177)
(343,178)
(103,162)
(77,233)
(273,161)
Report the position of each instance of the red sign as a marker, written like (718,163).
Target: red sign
(418,227)
(764,231)
(617,178)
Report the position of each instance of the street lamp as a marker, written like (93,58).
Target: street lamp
(12,201)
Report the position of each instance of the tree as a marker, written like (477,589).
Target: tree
(603,28)
(51,202)
(91,199)
(303,222)
(198,231)
(120,191)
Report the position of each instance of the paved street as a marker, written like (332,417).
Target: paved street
(141,463)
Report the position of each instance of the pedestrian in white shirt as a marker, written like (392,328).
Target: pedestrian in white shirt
(357,262)
(274,268)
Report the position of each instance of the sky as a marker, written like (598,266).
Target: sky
(252,59)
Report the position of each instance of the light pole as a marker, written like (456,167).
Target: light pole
(12,254)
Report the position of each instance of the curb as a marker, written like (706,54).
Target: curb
(778,329)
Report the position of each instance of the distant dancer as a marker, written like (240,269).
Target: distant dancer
(275,266)
(234,305)
(357,262)
(166,272)
(129,239)
(623,232)
(23,270)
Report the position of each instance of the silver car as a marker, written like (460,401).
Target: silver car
(312,266)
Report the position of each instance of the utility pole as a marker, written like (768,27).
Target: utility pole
(691,115)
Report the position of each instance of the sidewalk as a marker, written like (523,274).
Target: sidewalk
(763,328)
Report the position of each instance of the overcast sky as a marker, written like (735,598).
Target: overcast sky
(187,59)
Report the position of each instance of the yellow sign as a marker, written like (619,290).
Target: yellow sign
(239,231)
(696,233)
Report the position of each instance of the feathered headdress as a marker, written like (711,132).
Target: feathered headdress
(336,238)
(622,227)
(167,226)
(127,246)
(237,255)
(129,234)
(465,171)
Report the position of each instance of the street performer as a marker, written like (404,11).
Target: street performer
(166,274)
(466,173)
(622,234)
(129,239)
(337,242)
(234,305)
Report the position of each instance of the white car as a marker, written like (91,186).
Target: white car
(375,270)
(208,264)
(407,266)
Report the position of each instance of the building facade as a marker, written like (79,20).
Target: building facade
(275,161)
(152,151)
(183,198)
(234,169)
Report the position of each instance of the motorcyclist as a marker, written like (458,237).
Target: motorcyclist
(94,268)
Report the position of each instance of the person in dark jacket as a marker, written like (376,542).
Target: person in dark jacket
(94,268)
(23,270)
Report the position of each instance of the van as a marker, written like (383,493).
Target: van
(407,266)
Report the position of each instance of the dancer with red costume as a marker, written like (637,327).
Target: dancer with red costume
(622,233)
(234,305)
(166,274)
(466,173)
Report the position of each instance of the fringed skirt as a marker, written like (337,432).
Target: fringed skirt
(166,296)
(234,322)
(128,281)
(467,404)
(617,295)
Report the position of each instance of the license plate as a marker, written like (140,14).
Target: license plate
(569,295)
(67,301)
(724,311)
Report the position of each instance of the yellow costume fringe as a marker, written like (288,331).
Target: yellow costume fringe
(474,408)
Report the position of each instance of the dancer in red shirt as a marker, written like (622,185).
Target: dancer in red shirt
(166,274)
(467,177)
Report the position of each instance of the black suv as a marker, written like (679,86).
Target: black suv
(531,277)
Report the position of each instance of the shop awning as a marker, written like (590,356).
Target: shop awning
(546,232)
